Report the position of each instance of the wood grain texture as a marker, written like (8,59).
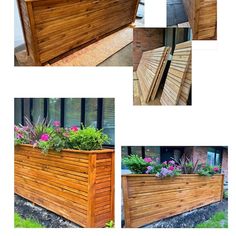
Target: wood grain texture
(202,15)
(78,185)
(150,71)
(54,27)
(148,198)
(179,69)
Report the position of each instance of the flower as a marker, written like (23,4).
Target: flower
(216,169)
(164,163)
(74,128)
(149,168)
(16,128)
(171,168)
(19,136)
(171,162)
(44,137)
(148,159)
(56,123)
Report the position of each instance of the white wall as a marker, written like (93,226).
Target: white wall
(18,33)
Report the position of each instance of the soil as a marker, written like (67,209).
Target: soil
(46,218)
(192,218)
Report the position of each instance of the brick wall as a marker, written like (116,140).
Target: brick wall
(225,163)
(146,39)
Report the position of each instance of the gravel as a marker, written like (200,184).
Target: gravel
(46,218)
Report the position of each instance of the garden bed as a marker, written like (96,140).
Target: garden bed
(78,185)
(148,198)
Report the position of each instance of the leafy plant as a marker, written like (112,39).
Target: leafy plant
(168,169)
(209,170)
(88,138)
(135,164)
(110,224)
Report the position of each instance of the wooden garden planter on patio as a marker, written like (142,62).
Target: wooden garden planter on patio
(202,16)
(148,198)
(78,185)
(54,27)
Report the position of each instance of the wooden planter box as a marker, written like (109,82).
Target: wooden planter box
(78,185)
(148,199)
(202,16)
(53,27)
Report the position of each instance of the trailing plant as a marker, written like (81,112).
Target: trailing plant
(50,136)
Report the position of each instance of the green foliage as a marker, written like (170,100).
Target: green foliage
(135,164)
(110,224)
(225,194)
(208,170)
(88,138)
(25,223)
(219,220)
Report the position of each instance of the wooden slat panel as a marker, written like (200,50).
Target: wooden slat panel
(148,198)
(73,184)
(177,73)
(61,25)
(150,71)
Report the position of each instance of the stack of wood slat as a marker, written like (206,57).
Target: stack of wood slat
(150,71)
(178,82)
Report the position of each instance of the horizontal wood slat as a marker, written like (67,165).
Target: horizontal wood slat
(54,27)
(78,185)
(148,198)
(202,15)
(176,80)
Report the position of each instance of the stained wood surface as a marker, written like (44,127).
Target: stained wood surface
(54,27)
(148,198)
(179,69)
(71,183)
(202,16)
(150,71)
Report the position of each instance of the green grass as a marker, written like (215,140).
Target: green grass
(25,223)
(219,220)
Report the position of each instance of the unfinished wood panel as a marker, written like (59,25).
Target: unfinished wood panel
(202,15)
(146,39)
(150,71)
(69,183)
(148,198)
(54,27)
(176,74)
(187,83)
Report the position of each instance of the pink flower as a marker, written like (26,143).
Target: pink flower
(216,169)
(74,128)
(19,136)
(44,137)
(164,163)
(16,128)
(171,168)
(148,159)
(56,123)
(171,162)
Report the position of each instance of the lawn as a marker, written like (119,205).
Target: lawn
(219,220)
(25,223)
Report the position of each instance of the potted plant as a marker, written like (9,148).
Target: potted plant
(66,170)
(155,191)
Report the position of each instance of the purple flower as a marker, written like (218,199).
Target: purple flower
(148,159)
(171,162)
(56,123)
(149,168)
(44,137)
